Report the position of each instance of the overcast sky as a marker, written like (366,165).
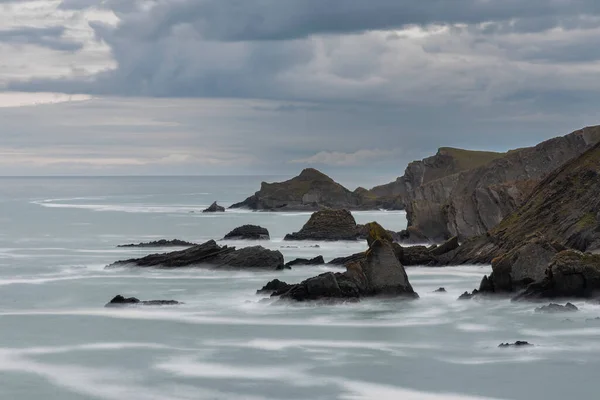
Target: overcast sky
(109,87)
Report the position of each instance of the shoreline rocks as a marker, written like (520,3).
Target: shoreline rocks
(160,243)
(121,301)
(380,273)
(214,207)
(211,255)
(248,232)
(557,308)
(318,260)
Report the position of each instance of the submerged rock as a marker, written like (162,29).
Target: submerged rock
(121,301)
(211,255)
(161,243)
(440,290)
(518,343)
(318,260)
(557,308)
(248,232)
(328,225)
(214,207)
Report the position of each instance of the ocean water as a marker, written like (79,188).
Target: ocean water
(58,341)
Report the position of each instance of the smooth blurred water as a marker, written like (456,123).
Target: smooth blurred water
(57,341)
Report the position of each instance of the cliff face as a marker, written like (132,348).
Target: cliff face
(448,161)
(474,201)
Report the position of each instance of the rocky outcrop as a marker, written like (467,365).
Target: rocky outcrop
(328,224)
(474,201)
(211,255)
(121,301)
(518,343)
(161,243)
(311,190)
(214,207)
(305,261)
(379,274)
(248,232)
(553,308)
(570,274)
(273,286)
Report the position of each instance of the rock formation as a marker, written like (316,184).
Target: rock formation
(161,243)
(210,254)
(248,232)
(214,207)
(121,301)
(305,261)
(273,286)
(474,201)
(557,308)
(310,191)
(378,274)
(328,224)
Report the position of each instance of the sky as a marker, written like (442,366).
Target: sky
(211,87)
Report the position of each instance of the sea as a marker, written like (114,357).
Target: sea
(58,341)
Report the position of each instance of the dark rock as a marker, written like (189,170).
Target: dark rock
(468,296)
(248,232)
(120,301)
(348,259)
(518,343)
(447,246)
(440,290)
(304,261)
(161,243)
(378,274)
(210,254)
(273,286)
(214,207)
(412,235)
(328,225)
(417,255)
(570,274)
(557,308)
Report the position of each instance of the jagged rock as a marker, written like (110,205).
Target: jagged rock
(120,301)
(310,191)
(210,254)
(449,245)
(412,235)
(161,243)
(379,273)
(328,225)
(557,308)
(214,207)
(248,232)
(417,255)
(474,201)
(348,259)
(570,274)
(440,290)
(305,261)
(518,343)
(273,286)
(467,295)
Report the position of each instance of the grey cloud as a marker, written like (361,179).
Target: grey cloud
(50,37)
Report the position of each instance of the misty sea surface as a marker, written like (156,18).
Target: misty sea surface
(58,341)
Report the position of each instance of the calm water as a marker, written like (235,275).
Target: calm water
(57,341)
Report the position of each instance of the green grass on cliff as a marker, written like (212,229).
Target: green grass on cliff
(469,159)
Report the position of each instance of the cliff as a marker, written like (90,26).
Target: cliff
(474,201)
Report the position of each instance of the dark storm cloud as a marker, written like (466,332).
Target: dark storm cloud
(234,20)
(50,37)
